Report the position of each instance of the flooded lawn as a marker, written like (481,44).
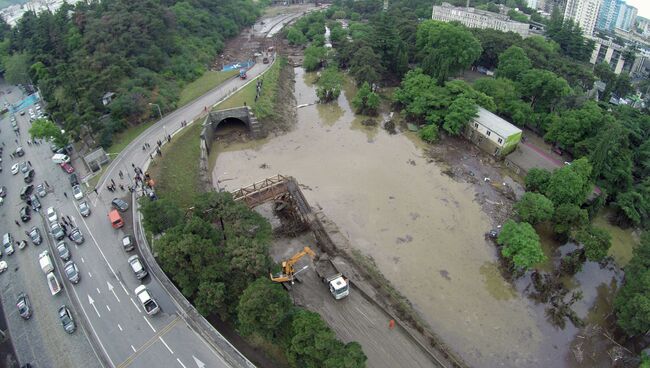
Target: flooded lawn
(423,229)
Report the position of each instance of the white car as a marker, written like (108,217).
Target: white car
(15,168)
(3,266)
(77,192)
(51,215)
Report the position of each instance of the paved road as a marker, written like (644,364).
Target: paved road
(103,302)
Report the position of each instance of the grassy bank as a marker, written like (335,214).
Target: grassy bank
(123,138)
(206,82)
(176,173)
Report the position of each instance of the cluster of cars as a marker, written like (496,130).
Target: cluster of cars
(24,306)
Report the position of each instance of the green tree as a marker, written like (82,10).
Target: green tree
(570,183)
(44,129)
(349,356)
(534,208)
(512,63)
(312,342)
(445,49)
(263,308)
(567,218)
(632,303)
(366,102)
(314,56)
(521,244)
(329,84)
(596,242)
(537,180)
(517,16)
(543,89)
(16,68)
(461,111)
(493,43)
(507,99)
(623,85)
(159,215)
(296,37)
(365,66)
(575,125)
(429,133)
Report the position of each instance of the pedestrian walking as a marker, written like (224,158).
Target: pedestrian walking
(69,220)
(151,155)
(63,226)
(159,152)
(148,145)
(47,184)
(121,187)
(16,140)
(64,220)
(65,194)
(17,223)
(144,147)
(121,174)
(113,182)
(169,138)
(108,186)
(29,162)
(132,164)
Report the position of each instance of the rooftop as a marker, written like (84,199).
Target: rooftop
(495,123)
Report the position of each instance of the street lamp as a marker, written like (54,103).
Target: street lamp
(158,106)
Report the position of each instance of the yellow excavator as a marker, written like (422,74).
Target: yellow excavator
(288,272)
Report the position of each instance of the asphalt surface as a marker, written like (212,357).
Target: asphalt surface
(112,329)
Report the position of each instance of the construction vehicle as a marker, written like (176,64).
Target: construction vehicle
(337,283)
(288,272)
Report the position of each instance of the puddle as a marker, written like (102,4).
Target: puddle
(422,228)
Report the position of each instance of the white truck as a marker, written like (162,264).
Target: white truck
(45,261)
(53,283)
(148,302)
(339,286)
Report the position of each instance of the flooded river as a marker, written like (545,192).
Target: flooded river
(423,229)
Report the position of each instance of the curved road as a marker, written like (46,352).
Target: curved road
(114,331)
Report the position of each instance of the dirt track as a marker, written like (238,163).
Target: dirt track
(353,318)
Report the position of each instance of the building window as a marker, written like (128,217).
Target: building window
(488,133)
(476,125)
(500,140)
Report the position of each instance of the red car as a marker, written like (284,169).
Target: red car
(67,168)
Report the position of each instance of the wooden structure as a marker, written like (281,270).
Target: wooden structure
(262,191)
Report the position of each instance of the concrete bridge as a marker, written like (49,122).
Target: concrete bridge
(242,114)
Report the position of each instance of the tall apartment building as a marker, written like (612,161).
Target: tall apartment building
(583,12)
(626,17)
(608,14)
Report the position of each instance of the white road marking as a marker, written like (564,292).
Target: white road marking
(136,306)
(181,363)
(133,348)
(199,363)
(82,260)
(98,292)
(92,302)
(149,323)
(107,307)
(123,288)
(164,343)
(120,327)
(111,289)
(90,275)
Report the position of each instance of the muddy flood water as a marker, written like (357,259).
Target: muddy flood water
(423,229)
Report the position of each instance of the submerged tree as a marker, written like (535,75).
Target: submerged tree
(329,84)
(521,244)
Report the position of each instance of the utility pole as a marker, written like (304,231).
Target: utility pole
(158,106)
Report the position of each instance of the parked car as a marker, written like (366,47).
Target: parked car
(8,244)
(73,179)
(20,152)
(51,214)
(40,190)
(64,252)
(72,272)
(25,214)
(24,167)
(120,204)
(84,209)
(22,244)
(66,320)
(26,191)
(3,191)
(24,306)
(35,235)
(77,193)
(57,231)
(15,168)
(67,167)
(127,243)
(137,267)
(76,236)
(148,302)
(28,177)
(35,202)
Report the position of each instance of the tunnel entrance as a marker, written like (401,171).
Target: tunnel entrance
(231,126)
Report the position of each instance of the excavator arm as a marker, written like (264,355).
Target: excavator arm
(287,266)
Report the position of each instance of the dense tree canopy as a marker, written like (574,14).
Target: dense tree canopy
(632,303)
(521,244)
(444,49)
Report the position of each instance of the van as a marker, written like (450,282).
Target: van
(8,243)
(46,262)
(116,219)
(60,158)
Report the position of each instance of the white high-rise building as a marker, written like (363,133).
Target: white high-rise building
(583,12)
(532,4)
